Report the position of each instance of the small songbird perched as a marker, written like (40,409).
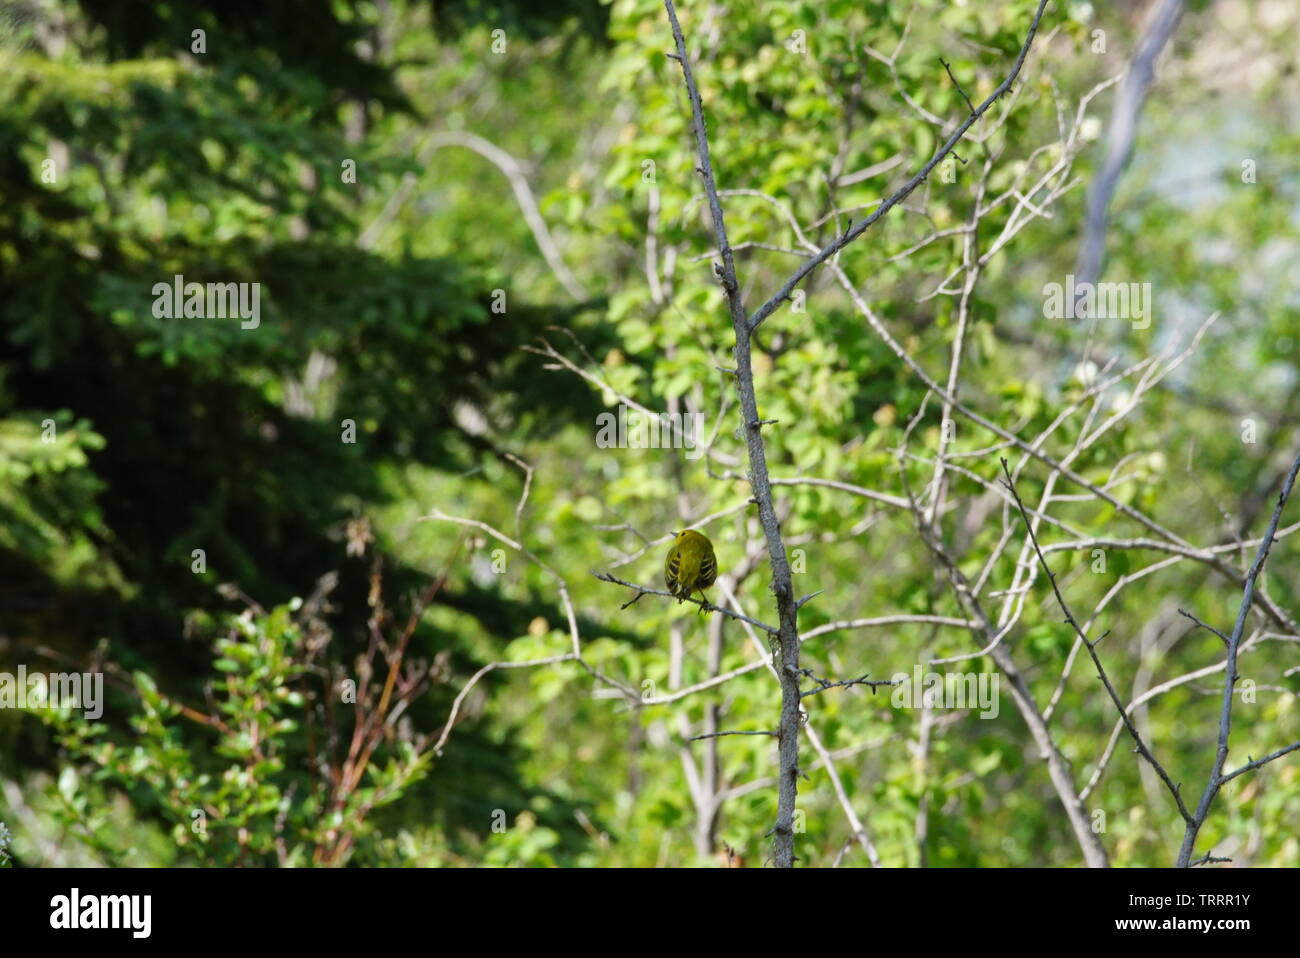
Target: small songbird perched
(691,565)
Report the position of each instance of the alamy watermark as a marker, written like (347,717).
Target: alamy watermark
(55,690)
(947,690)
(1098,301)
(633,429)
(179,299)
(75,910)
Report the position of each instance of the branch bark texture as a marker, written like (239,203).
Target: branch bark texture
(787,611)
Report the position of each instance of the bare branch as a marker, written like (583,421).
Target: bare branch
(947,66)
(513,172)
(1252,765)
(696,738)
(788,636)
(824,684)
(889,620)
(1226,640)
(474,680)
(1123,131)
(1217,777)
(703,604)
(1091,647)
(1057,767)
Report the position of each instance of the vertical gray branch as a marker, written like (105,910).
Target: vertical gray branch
(1123,131)
(788,633)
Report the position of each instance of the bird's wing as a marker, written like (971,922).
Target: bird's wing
(672,570)
(708,568)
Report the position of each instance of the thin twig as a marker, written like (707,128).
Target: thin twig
(948,67)
(824,684)
(1256,763)
(696,738)
(1091,647)
(702,603)
(1210,628)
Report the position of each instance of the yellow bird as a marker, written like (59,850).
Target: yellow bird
(691,565)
